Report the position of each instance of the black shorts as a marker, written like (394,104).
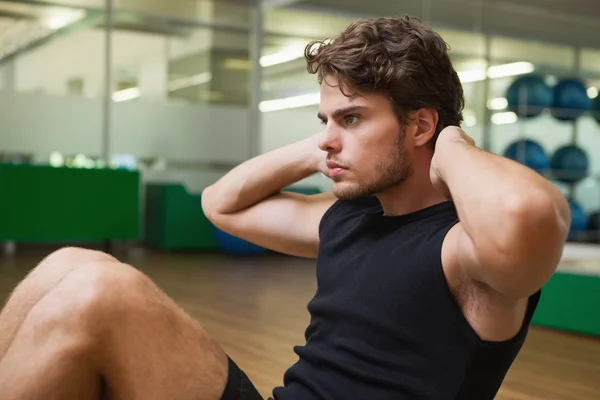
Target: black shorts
(239,386)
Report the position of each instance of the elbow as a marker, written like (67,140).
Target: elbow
(537,217)
(209,203)
(543,213)
(537,229)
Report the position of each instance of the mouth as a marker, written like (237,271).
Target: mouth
(335,169)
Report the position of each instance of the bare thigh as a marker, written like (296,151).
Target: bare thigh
(102,328)
(152,349)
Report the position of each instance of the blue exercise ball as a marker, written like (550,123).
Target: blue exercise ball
(529,153)
(570,99)
(595,107)
(529,95)
(233,245)
(579,219)
(570,164)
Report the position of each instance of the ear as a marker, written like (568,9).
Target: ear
(425,121)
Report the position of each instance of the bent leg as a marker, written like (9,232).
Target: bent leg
(37,284)
(48,356)
(99,325)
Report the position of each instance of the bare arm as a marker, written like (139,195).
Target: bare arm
(248,202)
(513,222)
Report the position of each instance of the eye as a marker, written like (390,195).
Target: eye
(351,119)
(322,122)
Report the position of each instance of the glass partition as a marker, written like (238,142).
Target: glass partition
(181,90)
(51,82)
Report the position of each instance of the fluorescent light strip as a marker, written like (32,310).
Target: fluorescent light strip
(512,69)
(176,84)
(61,20)
(289,54)
(304,100)
(189,81)
(126,94)
(499,103)
(504,118)
(470,120)
(471,76)
(496,71)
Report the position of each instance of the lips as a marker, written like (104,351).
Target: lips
(332,165)
(334,168)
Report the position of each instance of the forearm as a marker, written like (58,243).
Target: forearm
(502,205)
(260,177)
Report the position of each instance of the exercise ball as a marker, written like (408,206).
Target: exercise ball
(570,99)
(529,95)
(233,245)
(579,219)
(570,164)
(594,221)
(529,153)
(595,107)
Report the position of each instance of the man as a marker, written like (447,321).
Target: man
(430,254)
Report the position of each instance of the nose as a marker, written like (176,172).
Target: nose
(330,140)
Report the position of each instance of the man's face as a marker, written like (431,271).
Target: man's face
(365,144)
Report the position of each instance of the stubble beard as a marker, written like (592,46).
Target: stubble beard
(391,171)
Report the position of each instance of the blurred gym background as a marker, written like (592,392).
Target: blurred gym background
(117,113)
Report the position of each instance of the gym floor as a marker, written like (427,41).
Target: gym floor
(256,309)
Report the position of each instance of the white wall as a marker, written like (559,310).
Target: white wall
(190,133)
(41,124)
(280,128)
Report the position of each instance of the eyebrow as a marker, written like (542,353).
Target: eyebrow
(340,112)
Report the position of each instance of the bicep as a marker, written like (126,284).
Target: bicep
(286,222)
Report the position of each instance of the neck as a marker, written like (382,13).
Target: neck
(413,194)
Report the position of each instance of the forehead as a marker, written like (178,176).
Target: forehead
(332,99)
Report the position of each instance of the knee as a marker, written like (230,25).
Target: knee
(91,295)
(85,307)
(75,256)
(79,290)
(55,267)
(100,287)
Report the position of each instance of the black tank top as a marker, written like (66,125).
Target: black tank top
(384,325)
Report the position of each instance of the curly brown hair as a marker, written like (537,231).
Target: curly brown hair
(399,57)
